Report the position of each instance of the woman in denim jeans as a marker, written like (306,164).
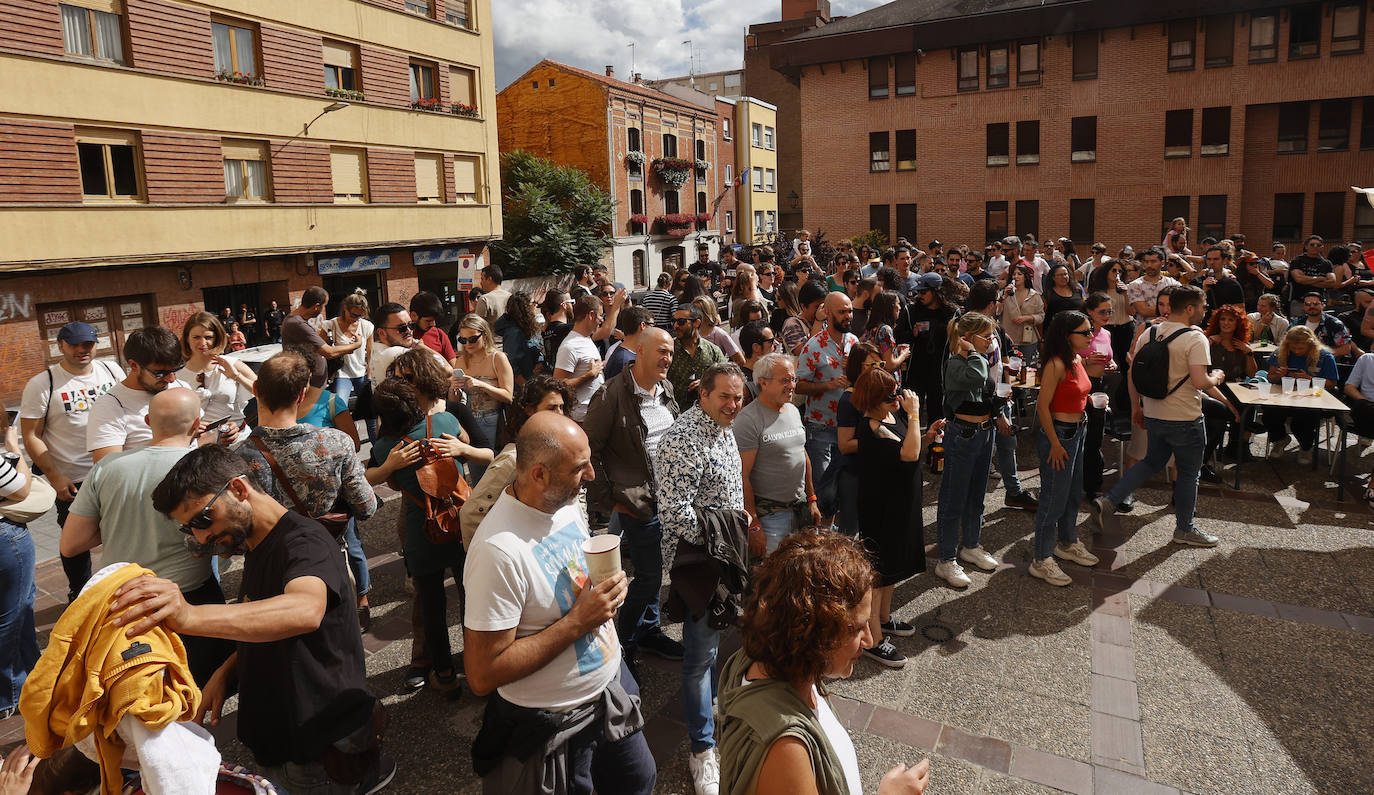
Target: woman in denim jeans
(18,638)
(969,407)
(1064,390)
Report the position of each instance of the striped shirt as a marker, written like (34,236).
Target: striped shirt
(11,479)
(661,304)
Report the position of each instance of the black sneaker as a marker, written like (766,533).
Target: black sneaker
(886,654)
(660,645)
(1127,505)
(1022,501)
(1208,475)
(415,678)
(379,777)
(899,628)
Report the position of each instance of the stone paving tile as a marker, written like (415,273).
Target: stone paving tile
(1055,771)
(1108,781)
(988,752)
(1114,696)
(1116,742)
(1046,724)
(996,784)
(1197,761)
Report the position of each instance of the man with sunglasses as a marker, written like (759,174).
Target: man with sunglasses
(117,419)
(115,508)
(394,336)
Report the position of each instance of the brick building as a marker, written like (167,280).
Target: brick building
(594,122)
(1092,120)
(159,157)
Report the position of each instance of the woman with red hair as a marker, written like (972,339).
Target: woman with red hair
(1228,331)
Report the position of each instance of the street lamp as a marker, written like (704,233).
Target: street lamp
(330,109)
(794,198)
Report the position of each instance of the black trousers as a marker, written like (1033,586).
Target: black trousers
(206,655)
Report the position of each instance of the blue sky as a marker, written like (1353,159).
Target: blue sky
(593,33)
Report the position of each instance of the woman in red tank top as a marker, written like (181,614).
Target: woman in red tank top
(1064,389)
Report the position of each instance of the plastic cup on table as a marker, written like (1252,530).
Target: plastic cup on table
(1318,384)
(1290,384)
(1264,388)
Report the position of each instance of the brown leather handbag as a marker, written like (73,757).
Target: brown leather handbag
(443,490)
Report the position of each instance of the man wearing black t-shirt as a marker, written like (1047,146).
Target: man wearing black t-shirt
(1220,284)
(1309,271)
(305,710)
(705,267)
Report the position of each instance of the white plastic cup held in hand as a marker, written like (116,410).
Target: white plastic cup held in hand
(603,557)
(1003,390)
(1099,400)
(1290,384)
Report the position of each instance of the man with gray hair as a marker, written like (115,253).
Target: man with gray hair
(779,495)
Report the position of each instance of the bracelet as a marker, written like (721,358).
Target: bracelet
(811,498)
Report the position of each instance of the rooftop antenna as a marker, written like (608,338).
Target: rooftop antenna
(632,59)
(691,64)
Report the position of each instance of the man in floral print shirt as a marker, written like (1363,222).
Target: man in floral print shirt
(820,376)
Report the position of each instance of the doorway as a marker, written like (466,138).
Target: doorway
(672,258)
(342,284)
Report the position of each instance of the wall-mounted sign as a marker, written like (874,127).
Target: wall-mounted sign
(355,264)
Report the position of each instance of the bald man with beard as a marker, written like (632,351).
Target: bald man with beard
(115,508)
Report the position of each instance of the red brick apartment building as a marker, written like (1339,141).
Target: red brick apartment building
(159,157)
(1095,120)
(594,122)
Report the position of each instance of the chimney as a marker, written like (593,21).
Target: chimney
(610,70)
(638,78)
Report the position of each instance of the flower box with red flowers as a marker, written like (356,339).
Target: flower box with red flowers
(639,218)
(431,104)
(461,109)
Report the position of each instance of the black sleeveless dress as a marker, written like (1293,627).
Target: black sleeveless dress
(890,523)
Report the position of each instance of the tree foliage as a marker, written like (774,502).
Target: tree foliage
(873,238)
(555,217)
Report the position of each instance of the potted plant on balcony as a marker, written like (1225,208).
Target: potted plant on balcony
(673,171)
(431,104)
(635,159)
(344,93)
(702,165)
(461,109)
(241,78)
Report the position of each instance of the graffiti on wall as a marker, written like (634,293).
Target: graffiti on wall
(14,306)
(174,317)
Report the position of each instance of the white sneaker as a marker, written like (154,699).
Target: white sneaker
(952,573)
(979,558)
(1075,552)
(705,768)
(1049,571)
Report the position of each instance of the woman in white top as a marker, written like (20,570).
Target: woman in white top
(349,326)
(488,380)
(1023,312)
(224,384)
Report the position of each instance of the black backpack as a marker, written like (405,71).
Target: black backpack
(1150,368)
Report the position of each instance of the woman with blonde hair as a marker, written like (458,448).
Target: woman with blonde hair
(223,383)
(711,330)
(971,402)
(487,380)
(1301,355)
(347,327)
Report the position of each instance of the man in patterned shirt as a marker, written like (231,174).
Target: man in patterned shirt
(1143,292)
(820,376)
(698,468)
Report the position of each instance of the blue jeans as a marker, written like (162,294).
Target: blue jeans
(640,540)
(964,484)
(1006,457)
(344,389)
(18,636)
(1060,492)
(1186,441)
(699,645)
(357,559)
(823,447)
(487,423)
(777,526)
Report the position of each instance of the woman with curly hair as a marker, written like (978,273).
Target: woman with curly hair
(1303,356)
(806,620)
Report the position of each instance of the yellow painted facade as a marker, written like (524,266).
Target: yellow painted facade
(756,161)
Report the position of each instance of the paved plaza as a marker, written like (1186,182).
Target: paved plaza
(1240,669)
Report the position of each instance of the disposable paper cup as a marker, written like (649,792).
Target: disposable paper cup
(603,556)
(1030,376)
(1290,384)
(1003,390)
(1264,388)
(1099,400)
(1318,384)
(1015,362)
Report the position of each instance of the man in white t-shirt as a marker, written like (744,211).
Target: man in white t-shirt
(52,417)
(1174,423)
(393,336)
(118,418)
(579,362)
(541,635)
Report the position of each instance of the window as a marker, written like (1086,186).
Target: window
(1083,137)
(906,151)
(1367,124)
(462,90)
(878,218)
(729,220)
(701,149)
(713,86)
(1182,37)
(998,76)
(756,135)
(1085,55)
(1328,215)
(1028,64)
(340,67)
(995,225)
(879,156)
(1178,133)
(553,81)
(1293,118)
(1082,221)
(726,128)
(235,52)
(467,180)
(420,7)
(671,201)
(1347,28)
(349,170)
(1174,207)
(636,208)
(1027,143)
(877,78)
(1304,32)
(701,208)
(770,138)
(632,140)
(109,164)
(732,81)
(1264,38)
(458,13)
(1364,221)
(1211,216)
(758,179)
(93,32)
(1221,41)
(760,225)
(998,148)
(245,170)
(905,68)
(429,178)
(1287,216)
(1216,132)
(772,220)
(1333,126)
(1028,219)
(906,221)
(669,145)
(968,69)
(424,84)
(729,174)
(770,180)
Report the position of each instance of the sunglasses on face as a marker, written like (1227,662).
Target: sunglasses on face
(202,520)
(895,397)
(163,375)
(469,340)
(403,329)
(681,321)
(1082,332)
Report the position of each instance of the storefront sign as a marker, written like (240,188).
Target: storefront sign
(434,256)
(363,262)
(467,271)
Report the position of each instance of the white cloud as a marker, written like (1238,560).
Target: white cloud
(592,33)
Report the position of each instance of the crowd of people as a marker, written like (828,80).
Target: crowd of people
(752,429)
